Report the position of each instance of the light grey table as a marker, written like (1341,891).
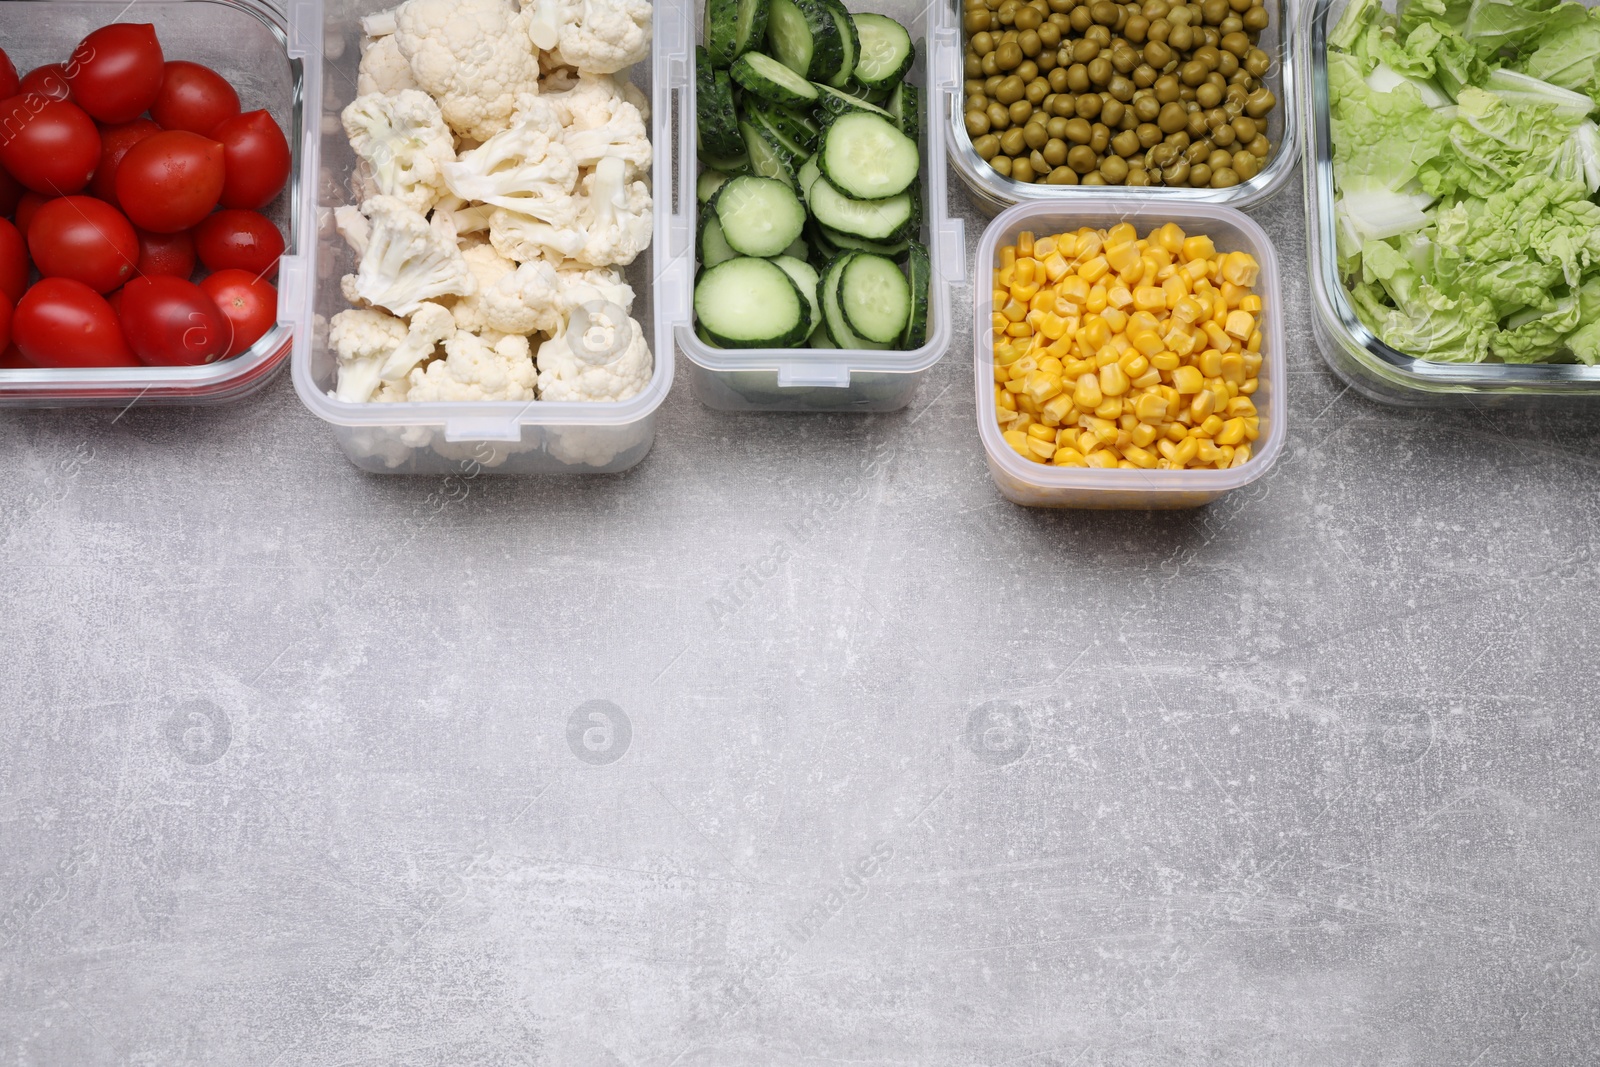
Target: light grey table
(296,770)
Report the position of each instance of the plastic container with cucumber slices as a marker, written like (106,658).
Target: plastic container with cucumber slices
(800,379)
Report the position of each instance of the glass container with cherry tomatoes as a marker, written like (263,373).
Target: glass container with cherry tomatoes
(147,192)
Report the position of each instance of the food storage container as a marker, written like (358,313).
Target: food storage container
(1040,485)
(244,41)
(510,437)
(764,379)
(1368,365)
(992,191)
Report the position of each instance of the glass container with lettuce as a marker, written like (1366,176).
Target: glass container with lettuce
(1467,162)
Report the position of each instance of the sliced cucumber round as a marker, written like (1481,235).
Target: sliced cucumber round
(750,303)
(885,51)
(706,186)
(714,246)
(919,274)
(848,41)
(833,102)
(875,298)
(832,314)
(759,216)
(904,103)
(804,38)
(751,30)
(764,77)
(767,157)
(805,279)
(876,220)
(868,157)
(806,176)
(850,242)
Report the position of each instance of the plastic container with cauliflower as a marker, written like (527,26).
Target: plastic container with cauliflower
(442,426)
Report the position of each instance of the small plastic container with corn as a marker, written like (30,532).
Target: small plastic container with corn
(1128,359)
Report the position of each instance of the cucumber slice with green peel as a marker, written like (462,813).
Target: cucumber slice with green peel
(706,186)
(851,243)
(762,76)
(789,123)
(904,104)
(867,157)
(750,303)
(705,338)
(759,216)
(739,164)
(798,249)
(919,275)
(714,246)
(806,177)
(802,36)
(751,32)
(820,338)
(848,39)
(839,330)
(876,220)
(886,51)
(716,119)
(833,102)
(796,152)
(875,298)
(721,36)
(805,279)
(767,158)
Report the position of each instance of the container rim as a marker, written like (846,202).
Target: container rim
(224,379)
(1004,190)
(1083,479)
(1420,378)
(463,420)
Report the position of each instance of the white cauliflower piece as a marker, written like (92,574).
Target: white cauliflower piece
(466,216)
(500,304)
(612,228)
(472,56)
(407,259)
(603,36)
(601,122)
(590,446)
(474,370)
(375,348)
(524,169)
(404,142)
(383,68)
(353,227)
(601,355)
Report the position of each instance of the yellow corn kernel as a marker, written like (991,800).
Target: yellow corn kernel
(1052,325)
(1249,387)
(1122,256)
(1042,385)
(1181,342)
(1251,303)
(1241,268)
(1113,380)
(1019,329)
(1023,292)
(1097,300)
(1042,433)
(1232,369)
(1043,300)
(1174,400)
(1104,429)
(1089,243)
(1242,405)
(1022,273)
(1133,363)
(1024,367)
(1022,422)
(1232,432)
(1211,426)
(1149,298)
(1101,458)
(1175,431)
(1087,394)
(1014,311)
(1164,361)
(1174,289)
(1210,363)
(1139,457)
(1116,319)
(1206,452)
(1183,453)
(1004,399)
(1073,289)
(1188,380)
(1152,407)
(1043,451)
(1224,456)
(1069,457)
(1025,243)
(1128,420)
(1051,364)
(1008,256)
(1094,269)
(1119,297)
(1232,294)
(1220,341)
(1017,440)
(1147,379)
(1061,346)
(1055,266)
(1096,332)
(1057,409)
(1252,427)
(1015,385)
(1119,346)
(1252,364)
(1143,434)
(1170,237)
(1122,233)
(1110,408)
(1241,455)
(1188,310)
(1026,405)
(1240,325)
(1147,342)
(1254,344)
(1196,248)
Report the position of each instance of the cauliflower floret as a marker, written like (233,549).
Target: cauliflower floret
(473,370)
(466,216)
(403,139)
(472,56)
(601,122)
(499,305)
(353,227)
(603,36)
(408,259)
(601,355)
(383,69)
(613,227)
(524,169)
(375,348)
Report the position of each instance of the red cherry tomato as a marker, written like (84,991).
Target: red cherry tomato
(116,71)
(10,84)
(239,240)
(48,81)
(13,359)
(257,159)
(193,98)
(27,207)
(114,298)
(170,180)
(63,323)
(10,192)
(172,322)
(50,146)
(247,302)
(5,322)
(171,254)
(13,262)
(114,144)
(86,239)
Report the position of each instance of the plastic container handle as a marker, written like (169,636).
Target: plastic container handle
(946,79)
(815,375)
(481,428)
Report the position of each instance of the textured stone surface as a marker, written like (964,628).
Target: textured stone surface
(294,770)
